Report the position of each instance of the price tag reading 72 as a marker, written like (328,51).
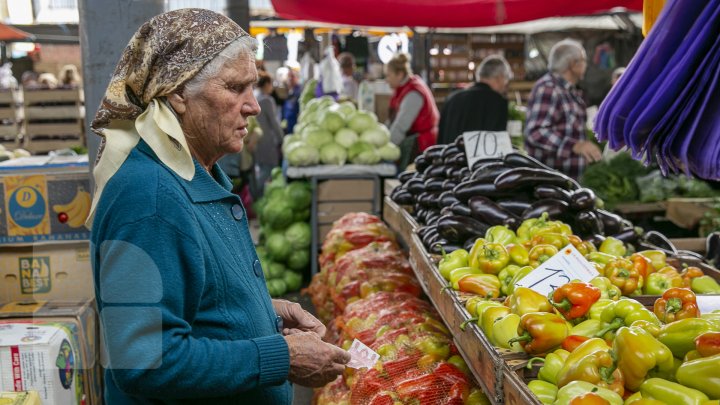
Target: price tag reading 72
(486,144)
(554,278)
(567,265)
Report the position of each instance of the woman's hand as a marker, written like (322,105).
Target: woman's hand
(296,320)
(314,363)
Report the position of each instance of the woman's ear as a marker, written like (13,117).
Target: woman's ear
(177,102)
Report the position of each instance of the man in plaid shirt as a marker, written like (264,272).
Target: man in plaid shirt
(555,130)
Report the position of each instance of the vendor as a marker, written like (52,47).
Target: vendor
(413,114)
(185,312)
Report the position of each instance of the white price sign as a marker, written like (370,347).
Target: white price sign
(567,265)
(486,144)
(362,356)
(708,303)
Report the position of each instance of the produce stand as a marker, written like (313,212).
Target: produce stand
(399,220)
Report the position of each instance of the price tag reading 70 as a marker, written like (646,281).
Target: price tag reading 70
(567,265)
(486,144)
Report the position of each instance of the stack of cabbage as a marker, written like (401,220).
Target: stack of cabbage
(334,134)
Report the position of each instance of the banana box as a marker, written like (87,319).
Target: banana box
(44,199)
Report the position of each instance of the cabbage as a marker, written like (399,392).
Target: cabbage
(375,136)
(361,121)
(363,153)
(299,259)
(346,137)
(357,148)
(299,235)
(332,121)
(278,214)
(298,195)
(287,150)
(347,109)
(303,155)
(289,140)
(308,117)
(333,154)
(317,138)
(389,152)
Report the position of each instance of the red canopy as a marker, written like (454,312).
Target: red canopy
(440,13)
(8,33)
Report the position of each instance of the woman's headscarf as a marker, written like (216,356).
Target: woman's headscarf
(163,55)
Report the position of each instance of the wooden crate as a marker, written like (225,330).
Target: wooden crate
(399,219)
(515,389)
(39,96)
(53,119)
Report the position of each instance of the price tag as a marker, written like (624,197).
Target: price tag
(708,303)
(486,144)
(567,265)
(362,356)
(514,128)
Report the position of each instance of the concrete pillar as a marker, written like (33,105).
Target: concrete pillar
(239,11)
(105,29)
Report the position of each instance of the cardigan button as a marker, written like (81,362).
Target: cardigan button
(258,268)
(237,212)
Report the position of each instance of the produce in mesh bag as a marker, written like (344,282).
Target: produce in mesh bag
(353,231)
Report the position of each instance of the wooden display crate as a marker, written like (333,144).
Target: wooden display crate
(53,119)
(399,219)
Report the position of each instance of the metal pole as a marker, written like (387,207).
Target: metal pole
(105,29)
(239,11)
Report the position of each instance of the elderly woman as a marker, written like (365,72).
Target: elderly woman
(185,312)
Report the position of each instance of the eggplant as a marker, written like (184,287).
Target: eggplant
(428,200)
(434,184)
(489,172)
(449,171)
(629,235)
(402,196)
(433,152)
(449,150)
(588,223)
(522,177)
(458,160)
(469,243)
(544,191)
(425,229)
(485,210)
(446,211)
(462,175)
(415,186)
(458,229)
(449,184)
(430,238)
(459,208)
(442,246)
(554,208)
(596,239)
(446,199)
(516,207)
(521,160)
(582,199)
(460,142)
(406,175)
(422,163)
(478,164)
(471,188)
(612,223)
(432,217)
(420,214)
(435,171)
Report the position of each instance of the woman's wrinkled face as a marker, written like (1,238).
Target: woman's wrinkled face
(218,115)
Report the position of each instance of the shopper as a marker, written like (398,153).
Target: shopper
(291,106)
(482,107)
(555,130)
(350,85)
(185,311)
(267,153)
(413,113)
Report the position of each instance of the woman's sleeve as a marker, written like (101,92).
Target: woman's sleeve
(151,277)
(410,107)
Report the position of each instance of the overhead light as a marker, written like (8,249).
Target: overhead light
(434,51)
(447,51)
(534,53)
(471,66)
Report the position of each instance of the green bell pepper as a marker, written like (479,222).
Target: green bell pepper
(544,391)
(600,258)
(588,328)
(452,261)
(671,393)
(460,272)
(506,328)
(500,234)
(598,307)
(658,283)
(524,271)
(714,318)
(506,276)
(705,285)
(702,374)
(656,257)
(623,313)
(634,397)
(679,336)
(613,247)
(607,289)
(487,319)
(518,254)
(638,352)
(576,388)
(479,308)
(667,374)
(553,363)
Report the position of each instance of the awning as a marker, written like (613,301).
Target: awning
(9,34)
(440,13)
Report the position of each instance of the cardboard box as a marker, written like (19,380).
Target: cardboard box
(44,199)
(74,322)
(346,190)
(47,271)
(329,212)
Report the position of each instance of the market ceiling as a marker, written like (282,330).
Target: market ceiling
(440,13)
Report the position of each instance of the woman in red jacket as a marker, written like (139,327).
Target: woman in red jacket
(413,113)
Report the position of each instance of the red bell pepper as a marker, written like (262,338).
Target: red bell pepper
(708,344)
(675,304)
(574,300)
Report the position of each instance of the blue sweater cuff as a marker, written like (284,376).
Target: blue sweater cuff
(274,357)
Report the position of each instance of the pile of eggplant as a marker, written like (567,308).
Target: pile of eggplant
(456,205)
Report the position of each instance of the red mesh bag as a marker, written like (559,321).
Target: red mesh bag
(351,232)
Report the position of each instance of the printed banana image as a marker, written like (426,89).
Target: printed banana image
(76,210)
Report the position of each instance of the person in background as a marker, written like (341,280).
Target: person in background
(69,77)
(616,75)
(267,152)
(555,130)
(482,107)
(414,116)
(347,67)
(291,106)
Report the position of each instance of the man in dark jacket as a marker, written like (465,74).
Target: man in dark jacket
(481,107)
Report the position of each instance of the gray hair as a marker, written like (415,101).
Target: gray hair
(493,66)
(564,53)
(243,45)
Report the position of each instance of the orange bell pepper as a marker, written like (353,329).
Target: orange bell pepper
(574,300)
(675,304)
(690,273)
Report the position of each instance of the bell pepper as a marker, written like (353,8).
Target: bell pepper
(552,365)
(702,374)
(671,393)
(518,254)
(459,273)
(524,271)
(705,285)
(505,329)
(690,273)
(478,310)
(500,234)
(708,344)
(544,391)
(669,270)
(541,253)
(484,285)
(573,300)
(452,261)
(588,347)
(680,336)
(657,258)
(632,399)
(550,238)
(623,313)
(675,304)
(622,274)
(477,397)
(470,305)
(572,342)
(713,317)
(599,368)
(649,327)
(525,300)
(506,275)
(600,257)
(667,374)
(658,283)
(597,308)
(488,318)
(642,264)
(589,398)
(607,289)
(533,226)
(577,388)
(473,254)
(541,332)
(584,247)
(638,352)
(589,328)
(492,257)
(691,355)
(613,247)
